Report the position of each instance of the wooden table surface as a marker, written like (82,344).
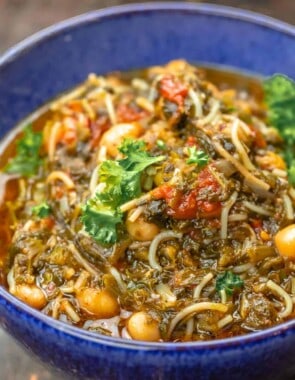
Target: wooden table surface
(19,19)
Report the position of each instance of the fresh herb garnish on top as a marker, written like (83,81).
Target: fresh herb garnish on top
(197,157)
(27,160)
(121,181)
(279,92)
(228,281)
(42,210)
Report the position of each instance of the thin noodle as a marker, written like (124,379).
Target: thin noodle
(81,280)
(194,309)
(135,202)
(82,261)
(242,268)
(189,328)
(117,276)
(280,173)
(52,141)
(224,214)
(223,296)
(136,214)
(152,256)
(110,108)
(292,192)
(11,281)
(239,146)
(288,207)
(254,182)
(224,321)
(257,209)
(93,180)
(76,93)
(278,290)
(196,99)
(212,113)
(202,284)
(55,306)
(61,176)
(145,104)
(70,311)
(237,217)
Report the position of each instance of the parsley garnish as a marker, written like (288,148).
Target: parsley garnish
(161,145)
(198,157)
(228,281)
(279,93)
(42,210)
(27,159)
(122,178)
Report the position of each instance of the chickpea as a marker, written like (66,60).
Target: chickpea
(31,295)
(285,242)
(142,230)
(141,326)
(101,303)
(114,136)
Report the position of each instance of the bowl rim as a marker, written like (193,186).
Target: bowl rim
(93,16)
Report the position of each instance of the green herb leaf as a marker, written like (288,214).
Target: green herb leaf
(42,210)
(279,92)
(228,281)
(121,185)
(122,182)
(27,160)
(101,222)
(161,145)
(137,159)
(198,157)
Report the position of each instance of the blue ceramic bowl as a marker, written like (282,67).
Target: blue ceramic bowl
(120,39)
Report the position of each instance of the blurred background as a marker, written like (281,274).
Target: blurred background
(21,18)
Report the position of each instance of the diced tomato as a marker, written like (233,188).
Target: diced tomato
(97,128)
(207,180)
(191,141)
(256,224)
(47,223)
(127,113)
(209,210)
(259,140)
(173,90)
(163,192)
(186,206)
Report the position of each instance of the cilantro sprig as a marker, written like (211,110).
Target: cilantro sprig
(279,92)
(198,157)
(229,282)
(27,160)
(101,214)
(161,144)
(42,210)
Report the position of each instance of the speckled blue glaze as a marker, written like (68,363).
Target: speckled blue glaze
(123,38)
